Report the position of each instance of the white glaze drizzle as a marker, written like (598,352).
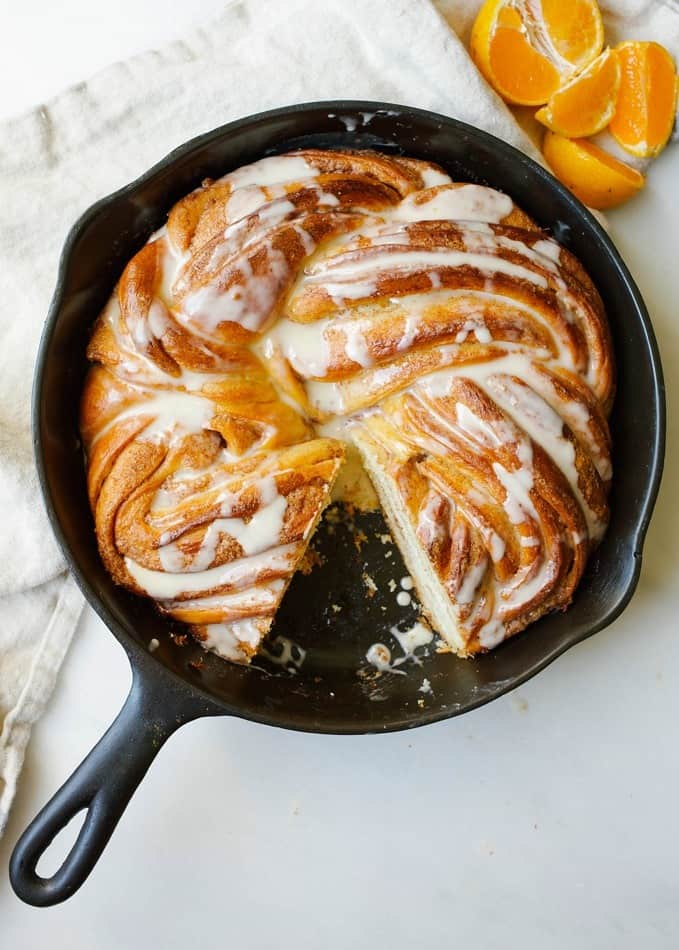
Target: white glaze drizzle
(379,656)
(456,203)
(258,534)
(417,635)
(349,281)
(260,190)
(275,170)
(243,572)
(286,652)
(171,414)
(228,638)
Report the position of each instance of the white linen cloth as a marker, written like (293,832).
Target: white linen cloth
(62,156)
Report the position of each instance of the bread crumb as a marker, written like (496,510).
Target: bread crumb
(310,559)
(370,584)
(392,585)
(360,539)
(332,515)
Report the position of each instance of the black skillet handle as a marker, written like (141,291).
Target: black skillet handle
(103,785)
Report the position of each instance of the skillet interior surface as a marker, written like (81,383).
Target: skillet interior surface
(330,612)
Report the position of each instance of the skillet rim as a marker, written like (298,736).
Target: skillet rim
(141,660)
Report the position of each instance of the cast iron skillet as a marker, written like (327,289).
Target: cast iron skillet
(335,690)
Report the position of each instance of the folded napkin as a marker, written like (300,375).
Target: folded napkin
(59,158)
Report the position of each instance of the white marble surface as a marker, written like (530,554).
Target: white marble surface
(545,820)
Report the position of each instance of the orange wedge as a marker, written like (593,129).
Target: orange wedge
(594,176)
(585,105)
(647,98)
(527,48)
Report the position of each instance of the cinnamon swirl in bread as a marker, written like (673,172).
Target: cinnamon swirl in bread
(323,302)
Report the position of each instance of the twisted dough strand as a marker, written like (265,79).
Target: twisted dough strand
(320,300)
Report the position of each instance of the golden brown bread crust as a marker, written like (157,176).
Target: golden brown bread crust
(468,354)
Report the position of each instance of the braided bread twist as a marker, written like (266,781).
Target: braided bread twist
(320,300)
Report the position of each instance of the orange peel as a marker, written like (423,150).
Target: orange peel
(598,179)
(646,103)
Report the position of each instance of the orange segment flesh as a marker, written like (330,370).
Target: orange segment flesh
(522,71)
(647,99)
(585,105)
(575,28)
(526,48)
(594,176)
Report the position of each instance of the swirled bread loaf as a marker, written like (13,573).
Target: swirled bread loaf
(322,300)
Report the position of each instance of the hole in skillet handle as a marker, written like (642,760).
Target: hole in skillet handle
(102,786)
(52,859)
